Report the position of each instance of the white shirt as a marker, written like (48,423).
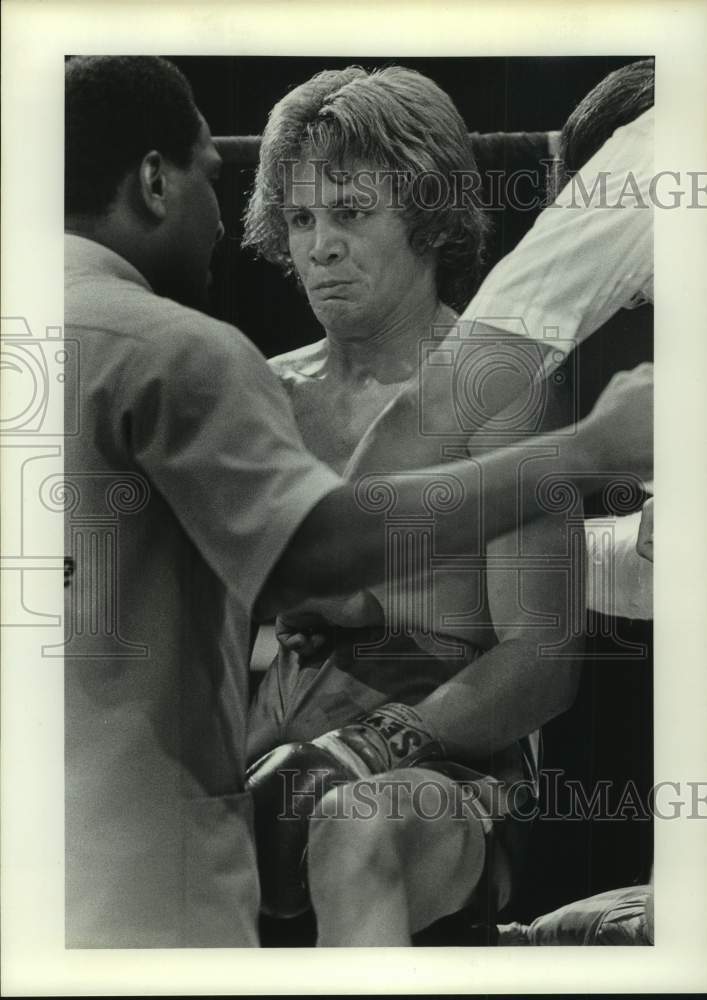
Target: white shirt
(585,257)
(589,254)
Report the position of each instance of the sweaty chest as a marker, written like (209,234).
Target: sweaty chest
(333,418)
(451,600)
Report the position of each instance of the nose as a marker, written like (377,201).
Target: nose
(220,231)
(327,245)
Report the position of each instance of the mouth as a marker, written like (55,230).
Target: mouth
(331,288)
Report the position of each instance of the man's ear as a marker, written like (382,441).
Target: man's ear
(153,184)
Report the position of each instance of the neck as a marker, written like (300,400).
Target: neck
(392,352)
(111,234)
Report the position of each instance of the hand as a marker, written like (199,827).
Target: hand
(301,632)
(619,430)
(644,542)
(305,629)
(286,785)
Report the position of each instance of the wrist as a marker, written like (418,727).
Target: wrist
(393,736)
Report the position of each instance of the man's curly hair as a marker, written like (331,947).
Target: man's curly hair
(394,120)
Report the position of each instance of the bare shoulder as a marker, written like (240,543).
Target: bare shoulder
(302,363)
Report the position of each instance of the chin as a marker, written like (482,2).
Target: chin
(339,315)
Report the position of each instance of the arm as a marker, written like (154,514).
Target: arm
(515,688)
(338,546)
(587,255)
(535,595)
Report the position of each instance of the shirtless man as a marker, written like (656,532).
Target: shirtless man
(469,686)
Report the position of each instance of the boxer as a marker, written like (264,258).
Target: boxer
(340,200)
(573,271)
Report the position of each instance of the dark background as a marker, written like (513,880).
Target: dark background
(607,735)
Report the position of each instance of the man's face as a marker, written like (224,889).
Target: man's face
(350,247)
(194,225)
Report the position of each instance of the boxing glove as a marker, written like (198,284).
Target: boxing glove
(287,783)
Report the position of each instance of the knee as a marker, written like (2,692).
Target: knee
(352,838)
(369,827)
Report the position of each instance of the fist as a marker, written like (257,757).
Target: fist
(305,629)
(621,423)
(286,784)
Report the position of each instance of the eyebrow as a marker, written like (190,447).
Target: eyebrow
(343,199)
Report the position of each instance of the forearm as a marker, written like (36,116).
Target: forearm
(506,694)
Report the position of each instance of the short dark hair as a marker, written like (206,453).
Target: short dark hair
(117,109)
(615,101)
(391,119)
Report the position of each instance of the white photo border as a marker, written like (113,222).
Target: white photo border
(36,37)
